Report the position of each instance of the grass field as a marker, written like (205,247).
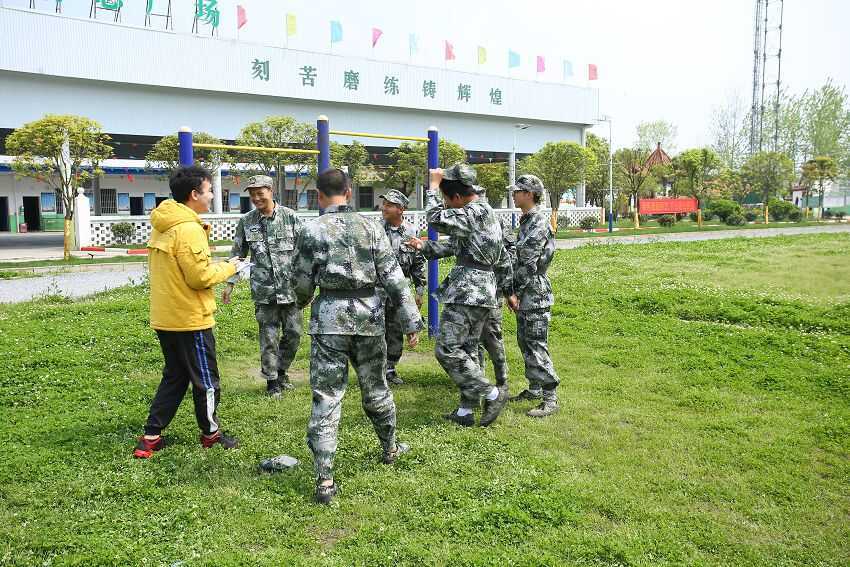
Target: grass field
(705,420)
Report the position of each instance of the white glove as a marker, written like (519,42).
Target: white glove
(243,268)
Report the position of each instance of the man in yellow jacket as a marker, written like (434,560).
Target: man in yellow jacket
(181,309)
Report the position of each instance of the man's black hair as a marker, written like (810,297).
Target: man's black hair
(452,188)
(186,179)
(332,182)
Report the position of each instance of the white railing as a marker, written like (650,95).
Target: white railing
(223,227)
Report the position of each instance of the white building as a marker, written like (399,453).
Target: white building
(142,83)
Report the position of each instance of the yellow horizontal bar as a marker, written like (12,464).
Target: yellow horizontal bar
(383,136)
(254,149)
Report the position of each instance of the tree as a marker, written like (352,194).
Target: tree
(791,139)
(355,159)
(596,185)
(277,132)
(699,166)
(816,172)
(630,173)
(659,131)
(560,166)
(411,161)
(730,132)
(768,173)
(727,184)
(827,122)
(165,153)
(63,151)
(494,178)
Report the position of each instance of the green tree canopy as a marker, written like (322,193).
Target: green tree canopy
(494,178)
(649,134)
(63,151)
(817,171)
(354,158)
(697,167)
(277,132)
(596,185)
(768,173)
(165,153)
(410,161)
(560,166)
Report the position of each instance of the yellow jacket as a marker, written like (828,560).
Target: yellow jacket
(181,274)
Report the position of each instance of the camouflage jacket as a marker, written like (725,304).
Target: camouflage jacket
(271,242)
(476,241)
(535,249)
(343,251)
(411,261)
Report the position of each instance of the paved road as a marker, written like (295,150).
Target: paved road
(30,246)
(70,284)
(570,243)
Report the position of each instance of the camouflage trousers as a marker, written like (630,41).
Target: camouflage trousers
(491,340)
(329,358)
(532,333)
(457,350)
(280,333)
(393,333)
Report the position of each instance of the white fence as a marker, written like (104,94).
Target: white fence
(97,231)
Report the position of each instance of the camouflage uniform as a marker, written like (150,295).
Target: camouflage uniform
(535,249)
(469,290)
(491,339)
(347,256)
(412,264)
(271,242)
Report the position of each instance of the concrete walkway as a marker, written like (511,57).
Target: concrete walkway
(570,243)
(30,246)
(72,284)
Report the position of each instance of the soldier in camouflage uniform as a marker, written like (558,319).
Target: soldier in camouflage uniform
(269,233)
(533,297)
(347,257)
(491,339)
(468,292)
(412,265)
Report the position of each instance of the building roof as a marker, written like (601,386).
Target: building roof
(658,157)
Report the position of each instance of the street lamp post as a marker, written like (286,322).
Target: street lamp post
(512,168)
(607,119)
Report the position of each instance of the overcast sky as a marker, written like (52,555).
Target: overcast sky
(674,60)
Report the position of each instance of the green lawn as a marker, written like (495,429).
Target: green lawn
(706,421)
(626,228)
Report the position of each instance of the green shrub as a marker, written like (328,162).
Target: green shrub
(796,216)
(735,219)
(827,214)
(123,231)
(780,210)
(751,215)
(839,215)
(724,207)
(666,220)
(588,223)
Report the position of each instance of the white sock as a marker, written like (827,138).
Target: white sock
(494,393)
(463,411)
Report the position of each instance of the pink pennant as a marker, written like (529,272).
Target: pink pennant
(241,17)
(376,35)
(541,64)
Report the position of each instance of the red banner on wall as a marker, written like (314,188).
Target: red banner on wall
(668,206)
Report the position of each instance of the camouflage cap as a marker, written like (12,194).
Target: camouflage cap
(397,197)
(256,181)
(462,172)
(479,190)
(528,182)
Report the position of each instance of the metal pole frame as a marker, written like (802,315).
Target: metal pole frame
(187,151)
(433,266)
(610,180)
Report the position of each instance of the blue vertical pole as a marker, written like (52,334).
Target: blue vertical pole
(433,268)
(324,143)
(186,155)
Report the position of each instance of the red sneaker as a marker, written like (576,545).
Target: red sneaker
(146,447)
(218,437)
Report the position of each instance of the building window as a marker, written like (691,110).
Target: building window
(225,201)
(365,198)
(290,198)
(108,202)
(312,199)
